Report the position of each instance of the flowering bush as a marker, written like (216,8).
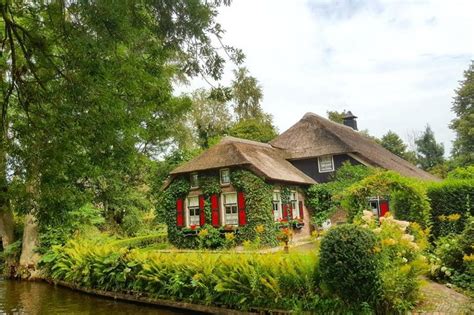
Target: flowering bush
(453,258)
(399,250)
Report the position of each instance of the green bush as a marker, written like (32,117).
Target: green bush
(348,265)
(453,258)
(408,199)
(323,199)
(451,204)
(141,241)
(462,173)
(241,281)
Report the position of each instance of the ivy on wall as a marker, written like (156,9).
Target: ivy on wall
(258,206)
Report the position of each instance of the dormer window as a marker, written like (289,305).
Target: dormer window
(194,180)
(325,164)
(225,176)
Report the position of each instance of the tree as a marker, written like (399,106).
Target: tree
(87,99)
(463,124)
(261,130)
(392,142)
(336,116)
(210,117)
(247,95)
(429,152)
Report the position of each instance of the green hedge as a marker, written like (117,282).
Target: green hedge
(141,241)
(451,204)
(240,281)
(408,199)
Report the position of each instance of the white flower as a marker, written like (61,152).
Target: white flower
(408,237)
(404,260)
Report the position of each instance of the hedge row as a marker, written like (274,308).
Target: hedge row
(451,205)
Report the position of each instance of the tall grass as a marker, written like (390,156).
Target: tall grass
(241,281)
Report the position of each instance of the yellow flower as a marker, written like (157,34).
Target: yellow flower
(376,249)
(442,218)
(389,242)
(259,229)
(229,236)
(468,258)
(203,233)
(453,217)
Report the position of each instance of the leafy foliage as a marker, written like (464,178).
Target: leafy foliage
(408,199)
(348,265)
(241,281)
(256,129)
(258,206)
(463,124)
(451,206)
(462,173)
(324,198)
(429,152)
(453,258)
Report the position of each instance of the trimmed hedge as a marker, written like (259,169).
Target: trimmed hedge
(451,204)
(408,199)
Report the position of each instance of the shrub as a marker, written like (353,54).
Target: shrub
(399,250)
(408,199)
(462,173)
(453,258)
(451,204)
(348,265)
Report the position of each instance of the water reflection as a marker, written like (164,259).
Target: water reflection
(21,297)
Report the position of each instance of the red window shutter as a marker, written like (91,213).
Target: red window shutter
(384,208)
(300,205)
(285,212)
(202,213)
(241,208)
(179,212)
(215,210)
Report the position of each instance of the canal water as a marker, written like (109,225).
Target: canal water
(22,297)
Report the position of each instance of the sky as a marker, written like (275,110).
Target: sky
(394,64)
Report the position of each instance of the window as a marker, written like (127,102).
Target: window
(225,176)
(277,215)
(325,164)
(230,209)
(294,205)
(194,180)
(193,211)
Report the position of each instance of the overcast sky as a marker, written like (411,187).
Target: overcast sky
(394,64)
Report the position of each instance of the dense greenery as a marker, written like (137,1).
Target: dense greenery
(429,153)
(452,203)
(258,206)
(463,124)
(453,258)
(324,198)
(241,281)
(348,265)
(408,199)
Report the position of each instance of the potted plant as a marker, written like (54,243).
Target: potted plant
(192,230)
(285,236)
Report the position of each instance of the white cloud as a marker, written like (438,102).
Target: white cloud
(395,64)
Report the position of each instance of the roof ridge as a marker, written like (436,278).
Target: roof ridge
(246,141)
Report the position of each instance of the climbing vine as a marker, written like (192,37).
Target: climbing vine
(258,207)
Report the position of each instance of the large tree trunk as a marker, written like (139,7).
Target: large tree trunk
(29,257)
(7,223)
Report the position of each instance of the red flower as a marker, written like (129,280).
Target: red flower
(192,227)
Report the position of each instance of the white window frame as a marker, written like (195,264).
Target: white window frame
(295,206)
(319,164)
(278,214)
(188,215)
(191,180)
(223,207)
(220,176)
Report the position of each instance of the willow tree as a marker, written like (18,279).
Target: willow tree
(87,97)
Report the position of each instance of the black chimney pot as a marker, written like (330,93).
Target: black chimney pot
(350,120)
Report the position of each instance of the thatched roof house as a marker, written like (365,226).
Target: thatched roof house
(307,153)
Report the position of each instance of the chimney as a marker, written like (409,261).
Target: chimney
(350,120)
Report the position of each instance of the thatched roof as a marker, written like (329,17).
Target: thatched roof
(260,157)
(315,136)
